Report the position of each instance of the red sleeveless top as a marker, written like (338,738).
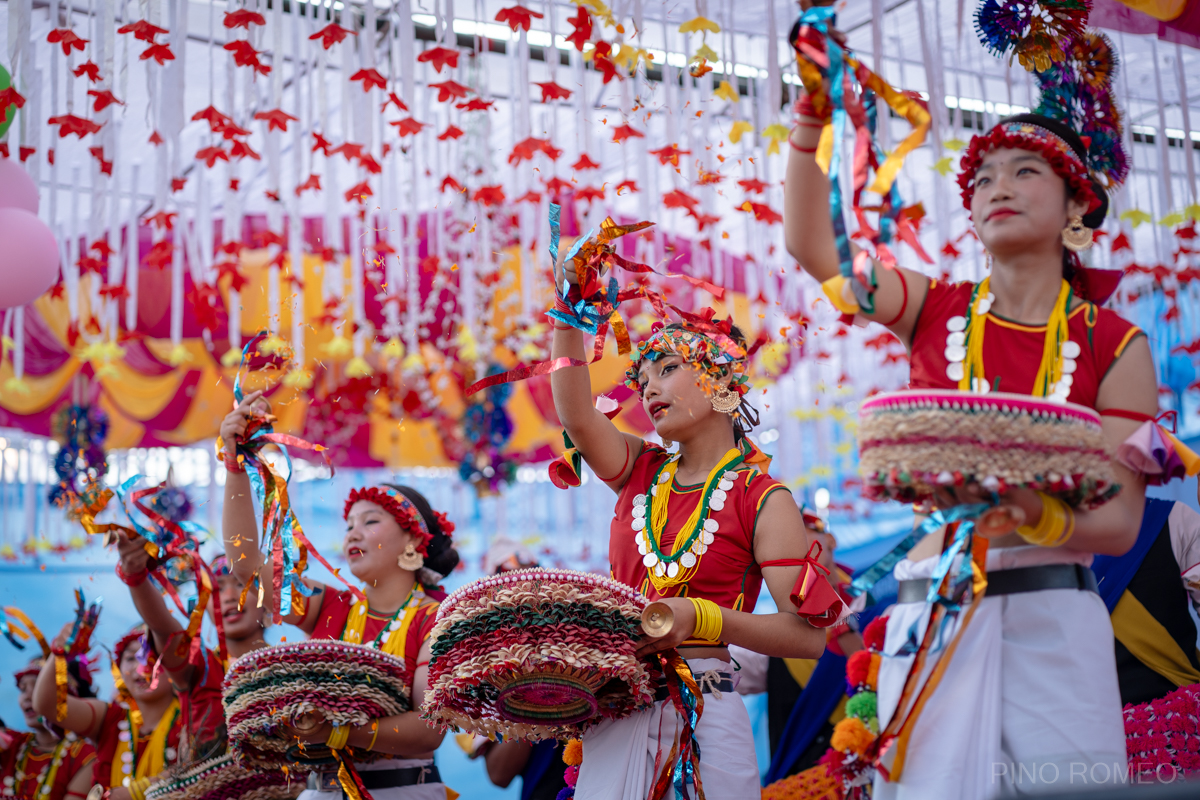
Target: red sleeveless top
(335,610)
(1012,352)
(727,573)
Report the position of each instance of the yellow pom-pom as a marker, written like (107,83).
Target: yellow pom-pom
(873,671)
(573,753)
(851,736)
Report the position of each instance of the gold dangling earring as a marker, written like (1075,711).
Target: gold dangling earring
(725,400)
(410,559)
(1076,236)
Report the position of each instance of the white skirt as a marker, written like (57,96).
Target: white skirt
(421,791)
(1029,699)
(619,755)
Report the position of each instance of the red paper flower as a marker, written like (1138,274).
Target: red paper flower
(210,155)
(762,212)
(476,104)
(449,90)
(489,195)
(67,38)
(627,186)
(703,220)
(244,55)
(670,154)
(529,197)
(590,193)
(368,162)
(321,143)
(312,182)
(276,119)
(582,23)
(155,138)
(407,126)
(215,119)
(451,132)
(584,163)
(359,192)
(98,154)
(623,132)
(142,30)
(243,18)
(104,99)
(448,182)
(10,97)
(69,123)
(90,69)
(159,52)
(754,185)
(393,99)
(677,198)
(351,150)
(517,17)
(229,269)
(177,184)
(439,57)
(241,149)
(556,186)
(332,34)
(161,254)
(369,78)
(552,91)
(163,220)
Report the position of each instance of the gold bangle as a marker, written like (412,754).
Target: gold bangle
(338,737)
(374,733)
(709,621)
(1056,525)
(137,788)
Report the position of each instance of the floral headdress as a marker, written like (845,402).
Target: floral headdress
(715,355)
(403,510)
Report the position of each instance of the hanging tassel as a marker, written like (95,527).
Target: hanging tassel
(348,777)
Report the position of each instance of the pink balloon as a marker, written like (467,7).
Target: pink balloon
(28,257)
(17,189)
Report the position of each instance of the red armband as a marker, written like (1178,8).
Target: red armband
(814,597)
(137,579)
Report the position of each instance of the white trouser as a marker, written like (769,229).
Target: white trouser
(619,755)
(423,791)
(1029,699)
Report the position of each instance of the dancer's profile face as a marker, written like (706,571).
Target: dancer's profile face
(25,686)
(1019,202)
(374,542)
(673,395)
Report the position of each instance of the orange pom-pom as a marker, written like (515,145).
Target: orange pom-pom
(851,736)
(873,671)
(573,753)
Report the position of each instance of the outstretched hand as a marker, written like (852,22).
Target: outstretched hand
(233,427)
(681,630)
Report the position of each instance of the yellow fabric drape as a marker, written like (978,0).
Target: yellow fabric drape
(1150,643)
(1161,10)
(153,760)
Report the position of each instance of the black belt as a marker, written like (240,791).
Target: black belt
(1015,581)
(377,779)
(725,684)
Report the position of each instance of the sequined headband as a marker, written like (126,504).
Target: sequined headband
(1062,158)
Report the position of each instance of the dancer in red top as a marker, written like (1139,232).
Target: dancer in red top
(45,764)
(399,548)
(692,528)
(1037,666)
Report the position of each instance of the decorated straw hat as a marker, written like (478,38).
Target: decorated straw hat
(537,654)
(222,779)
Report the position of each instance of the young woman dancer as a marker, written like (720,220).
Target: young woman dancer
(142,731)
(1032,684)
(399,548)
(41,763)
(696,530)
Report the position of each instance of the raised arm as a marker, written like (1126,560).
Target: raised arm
(239,524)
(163,626)
(607,451)
(85,716)
(809,235)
